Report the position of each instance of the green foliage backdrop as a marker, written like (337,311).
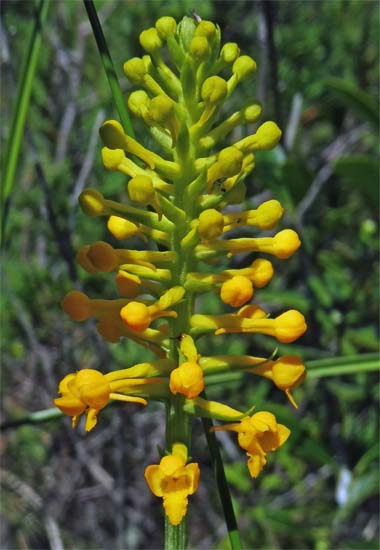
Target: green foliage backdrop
(318,78)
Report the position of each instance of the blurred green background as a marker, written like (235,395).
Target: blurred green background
(318,78)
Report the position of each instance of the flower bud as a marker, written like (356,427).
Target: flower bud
(252,112)
(187,380)
(166,26)
(113,135)
(160,109)
(135,70)
(206,29)
(150,40)
(92,202)
(214,89)
(121,228)
(210,224)
(229,163)
(112,158)
(141,190)
(103,256)
(262,272)
(285,243)
(236,291)
(138,102)
(243,67)
(230,52)
(267,136)
(289,326)
(77,305)
(199,48)
(268,214)
(136,316)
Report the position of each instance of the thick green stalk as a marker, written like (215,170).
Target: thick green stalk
(24,92)
(178,426)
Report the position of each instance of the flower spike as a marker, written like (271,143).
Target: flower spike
(182,202)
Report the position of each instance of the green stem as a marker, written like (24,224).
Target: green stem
(24,92)
(108,67)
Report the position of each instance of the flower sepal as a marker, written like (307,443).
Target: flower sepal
(213,409)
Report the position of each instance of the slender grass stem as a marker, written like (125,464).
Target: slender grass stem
(20,112)
(224,492)
(108,66)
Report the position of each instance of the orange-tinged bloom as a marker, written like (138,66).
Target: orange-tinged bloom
(187,380)
(287,372)
(258,435)
(137,316)
(173,480)
(88,391)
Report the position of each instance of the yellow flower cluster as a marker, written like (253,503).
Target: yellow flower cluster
(179,199)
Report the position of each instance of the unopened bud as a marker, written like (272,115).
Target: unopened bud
(199,48)
(160,109)
(112,134)
(210,224)
(236,291)
(205,28)
(77,305)
(285,243)
(150,40)
(136,316)
(252,112)
(243,67)
(103,256)
(112,158)
(141,190)
(214,89)
(135,70)
(166,26)
(230,52)
(92,202)
(138,102)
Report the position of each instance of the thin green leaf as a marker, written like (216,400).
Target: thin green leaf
(108,67)
(20,112)
(224,492)
(341,370)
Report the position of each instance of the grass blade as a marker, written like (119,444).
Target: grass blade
(108,67)
(224,492)
(21,110)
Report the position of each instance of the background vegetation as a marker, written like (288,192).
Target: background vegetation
(318,78)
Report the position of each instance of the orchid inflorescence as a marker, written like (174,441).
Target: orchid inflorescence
(180,200)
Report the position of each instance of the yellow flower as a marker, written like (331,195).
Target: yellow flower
(173,480)
(187,379)
(258,435)
(286,328)
(88,391)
